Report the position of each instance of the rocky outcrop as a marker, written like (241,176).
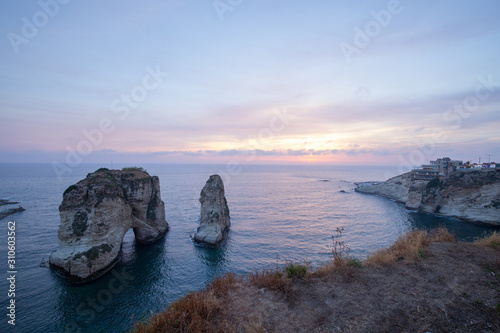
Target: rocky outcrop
(11,211)
(214,216)
(468,195)
(97,212)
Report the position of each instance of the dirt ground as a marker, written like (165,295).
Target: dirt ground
(454,287)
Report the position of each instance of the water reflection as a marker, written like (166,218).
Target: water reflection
(108,300)
(214,259)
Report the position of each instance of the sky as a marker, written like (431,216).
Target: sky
(237,81)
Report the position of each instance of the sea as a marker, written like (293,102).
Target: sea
(279,214)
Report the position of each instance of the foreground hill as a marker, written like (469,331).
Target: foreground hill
(422,283)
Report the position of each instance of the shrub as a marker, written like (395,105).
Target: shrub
(410,246)
(493,241)
(79,224)
(271,279)
(296,271)
(134,169)
(71,188)
(495,204)
(194,313)
(441,235)
(434,182)
(339,249)
(355,262)
(93,252)
(222,285)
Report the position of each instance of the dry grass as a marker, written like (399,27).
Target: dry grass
(342,264)
(441,235)
(409,246)
(271,279)
(222,285)
(492,241)
(346,268)
(340,288)
(195,313)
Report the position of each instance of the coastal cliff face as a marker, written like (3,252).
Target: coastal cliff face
(214,215)
(469,195)
(95,215)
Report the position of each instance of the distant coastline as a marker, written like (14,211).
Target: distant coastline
(7,212)
(472,195)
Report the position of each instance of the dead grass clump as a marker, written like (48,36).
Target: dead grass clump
(492,241)
(346,268)
(408,246)
(342,263)
(324,270)
(441,235)
(271,279)
(194,313)
(222,285)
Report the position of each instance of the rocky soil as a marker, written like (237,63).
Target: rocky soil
(444,286)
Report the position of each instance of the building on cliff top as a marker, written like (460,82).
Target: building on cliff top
(441,168)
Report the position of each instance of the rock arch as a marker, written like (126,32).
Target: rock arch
(97,212)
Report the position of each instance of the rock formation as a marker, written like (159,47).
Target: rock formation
(468,195)
(214,216)
(11,211)
(97,212)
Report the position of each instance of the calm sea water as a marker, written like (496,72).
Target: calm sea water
(278,214)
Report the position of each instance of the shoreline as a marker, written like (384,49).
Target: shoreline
(472,197)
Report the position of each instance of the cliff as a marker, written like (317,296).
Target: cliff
(423,283)
(214,214)
(468,195)
(96,213)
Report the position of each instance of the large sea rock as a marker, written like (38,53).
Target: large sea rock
(472,196)
(214,215)
(96,213)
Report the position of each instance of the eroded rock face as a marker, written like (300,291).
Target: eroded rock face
(95,215)
(214,216)
(468,195)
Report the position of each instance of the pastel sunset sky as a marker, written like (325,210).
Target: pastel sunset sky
(253,81)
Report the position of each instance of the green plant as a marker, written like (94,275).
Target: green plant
(93,252)
(79,224)
(421,253)
(435,182)
(226,208)
(465,295)
(271,279)
(134,169)
(355,262)
(296,271)
(71,188)
(496,204)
